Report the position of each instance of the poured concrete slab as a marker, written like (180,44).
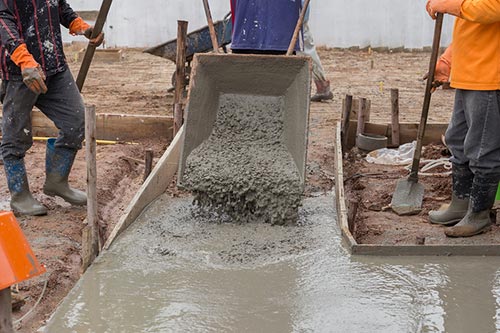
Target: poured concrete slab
(175,270)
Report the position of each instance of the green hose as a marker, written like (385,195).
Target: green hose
(498,193)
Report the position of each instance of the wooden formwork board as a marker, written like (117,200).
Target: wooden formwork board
(104,55)
(155,185)
(355,248)
(116,127)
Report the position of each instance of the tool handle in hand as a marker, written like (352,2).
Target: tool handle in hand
(427,98)
(211,28)
(300,22)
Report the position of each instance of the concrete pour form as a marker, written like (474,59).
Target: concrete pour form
(395,250)
(244,152)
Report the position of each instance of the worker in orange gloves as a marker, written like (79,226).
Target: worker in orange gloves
(472,135)
(35,73)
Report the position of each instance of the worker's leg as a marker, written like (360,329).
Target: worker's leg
(482,149)
(18,103)
(462,176)
(323,91)
(63,104)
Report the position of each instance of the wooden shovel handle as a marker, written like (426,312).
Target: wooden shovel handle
(298,27)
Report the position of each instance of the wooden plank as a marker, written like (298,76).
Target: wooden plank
(408,132)
(339,190)
(426,250)
(104,55)
(395,117)
(157,182)
(116,127)
(180,75)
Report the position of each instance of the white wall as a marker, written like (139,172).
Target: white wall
(335,23)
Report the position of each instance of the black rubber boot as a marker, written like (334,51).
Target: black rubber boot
(482,198)
(462,183)
(21,202)
(58,166)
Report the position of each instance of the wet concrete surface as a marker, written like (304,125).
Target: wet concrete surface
(244,169)
(176,270)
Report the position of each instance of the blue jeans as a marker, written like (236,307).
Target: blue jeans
(473,135)
(62,104)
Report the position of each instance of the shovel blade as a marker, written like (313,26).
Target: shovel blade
(408,197)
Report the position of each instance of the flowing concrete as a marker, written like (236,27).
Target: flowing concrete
(245,147)
(175,270)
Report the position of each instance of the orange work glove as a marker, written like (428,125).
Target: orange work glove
(453,7)
(82,28)
(33,76)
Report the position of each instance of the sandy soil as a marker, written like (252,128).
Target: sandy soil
(372,186)
(138,85)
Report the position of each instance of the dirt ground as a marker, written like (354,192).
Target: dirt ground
(372,186)
(138,85)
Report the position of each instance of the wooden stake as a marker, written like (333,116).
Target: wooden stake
(6,311)
(211,28)
(180,74)
(361,116)
(91,242)
(351,214)
(148,163)
(346,116)
(395,117)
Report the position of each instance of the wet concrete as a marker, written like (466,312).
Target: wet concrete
(175,270)
(244,170)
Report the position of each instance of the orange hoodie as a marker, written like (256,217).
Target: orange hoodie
(476,46)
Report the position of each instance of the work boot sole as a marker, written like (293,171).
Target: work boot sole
(40,212)
(322,97)
(477,232)
(74,203)
(445,223)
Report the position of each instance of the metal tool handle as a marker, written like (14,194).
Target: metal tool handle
(300,22)
(89,53)
(211,28)
(427,98)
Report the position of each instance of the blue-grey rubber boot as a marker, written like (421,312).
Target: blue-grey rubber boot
(462,183)
(58,165)
(21,202)
(482,198)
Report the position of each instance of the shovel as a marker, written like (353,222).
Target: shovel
(409,194)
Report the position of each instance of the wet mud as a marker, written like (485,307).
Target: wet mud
(177,271)
(244,170)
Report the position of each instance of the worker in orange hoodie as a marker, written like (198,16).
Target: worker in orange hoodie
(473,133)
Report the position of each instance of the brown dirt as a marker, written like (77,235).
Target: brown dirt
(138,85)
(372,187)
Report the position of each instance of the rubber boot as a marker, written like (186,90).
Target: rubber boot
(57,166)
(323,91)
(462,178)
(21,202)
(482,198)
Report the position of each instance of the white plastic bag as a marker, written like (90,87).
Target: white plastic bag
(401,156)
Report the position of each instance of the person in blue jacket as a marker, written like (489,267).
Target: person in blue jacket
(263,26)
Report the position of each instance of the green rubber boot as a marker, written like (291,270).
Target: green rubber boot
(58,166)
(462,178)
(455,212)
(21,201)
(482,198)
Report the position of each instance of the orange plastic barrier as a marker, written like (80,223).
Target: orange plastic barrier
(17,260)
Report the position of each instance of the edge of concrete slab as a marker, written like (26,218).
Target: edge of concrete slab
(156,184)
(394,250)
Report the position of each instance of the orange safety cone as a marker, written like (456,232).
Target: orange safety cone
(17,260)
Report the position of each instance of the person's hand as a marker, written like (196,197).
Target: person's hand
(82,28)
(94,41)
(443,70)
(32,74)
(34,79)
(453,7)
